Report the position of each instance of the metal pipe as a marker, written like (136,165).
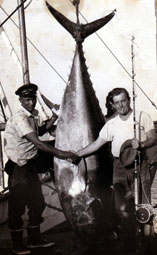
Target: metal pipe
(24,52)
(156,26)
(23,41)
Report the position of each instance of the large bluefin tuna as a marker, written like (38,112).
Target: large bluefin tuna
(79,123)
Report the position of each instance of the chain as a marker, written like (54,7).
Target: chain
(54,207)
(48,205)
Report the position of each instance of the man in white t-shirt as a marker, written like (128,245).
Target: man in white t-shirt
(117,130)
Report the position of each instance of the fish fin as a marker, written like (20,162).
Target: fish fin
(80,31)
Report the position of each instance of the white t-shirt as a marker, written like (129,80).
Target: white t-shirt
(118,131)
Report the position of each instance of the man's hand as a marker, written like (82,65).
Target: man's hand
(56,106)
(135,143)
(73,158)
(51,121)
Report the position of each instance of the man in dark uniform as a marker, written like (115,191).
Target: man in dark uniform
(21,146)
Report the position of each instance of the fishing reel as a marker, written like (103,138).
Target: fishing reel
(144,213)
(147,215)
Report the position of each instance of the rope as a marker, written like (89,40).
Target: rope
(4,94)
(127,71)
(153,104)
(48,185)
(25,7)
(9,16)
(36,49)
(118,60)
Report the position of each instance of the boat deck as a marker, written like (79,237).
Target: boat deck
(66,243)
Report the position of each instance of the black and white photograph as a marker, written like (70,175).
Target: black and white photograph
(78,127)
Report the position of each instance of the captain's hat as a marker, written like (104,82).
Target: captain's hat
(27,90)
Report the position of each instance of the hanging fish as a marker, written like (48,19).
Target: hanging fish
(79,123)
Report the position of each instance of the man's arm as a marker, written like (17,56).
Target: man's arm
(92,147)
(32,137)
(150,141)
(48,124)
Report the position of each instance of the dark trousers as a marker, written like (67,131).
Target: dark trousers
(123,182)
(25,190)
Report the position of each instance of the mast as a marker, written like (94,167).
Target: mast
(23,40)
(24,51)
(156,26)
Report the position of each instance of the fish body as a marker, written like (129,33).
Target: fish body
(79,123)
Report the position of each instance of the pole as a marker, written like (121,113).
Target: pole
(136,173)
(23,40)
(156,27)
(24,52)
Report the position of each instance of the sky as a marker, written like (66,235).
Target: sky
(108,53)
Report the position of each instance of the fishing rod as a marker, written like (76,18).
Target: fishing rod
(136,171)
(144,212)
(137,161)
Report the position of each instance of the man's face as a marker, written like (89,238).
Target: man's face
(121,104)
(28,103)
